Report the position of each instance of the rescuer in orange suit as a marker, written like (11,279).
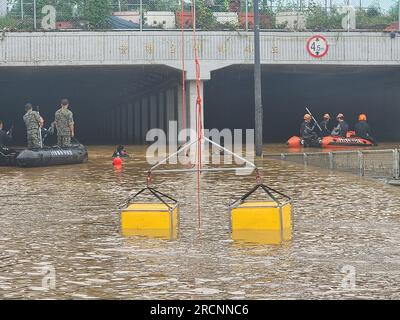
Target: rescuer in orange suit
(326,131)
(363,130)
(307,131)
(341,128)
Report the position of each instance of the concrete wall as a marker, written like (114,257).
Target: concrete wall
(216,49)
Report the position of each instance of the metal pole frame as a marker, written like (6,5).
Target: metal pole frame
(34,15)
(399,18)
(247,16)
(188,145)
(141,14)
(257,83)
(396,163)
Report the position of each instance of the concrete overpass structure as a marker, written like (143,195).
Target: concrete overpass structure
(153,95)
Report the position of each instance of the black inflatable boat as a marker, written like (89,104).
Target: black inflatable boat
(44,157)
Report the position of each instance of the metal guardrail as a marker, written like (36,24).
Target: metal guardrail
(366,163)
(292,15)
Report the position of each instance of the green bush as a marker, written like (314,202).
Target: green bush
(97,13)
(205,19)
(372,18)
(320,19)
(8,22)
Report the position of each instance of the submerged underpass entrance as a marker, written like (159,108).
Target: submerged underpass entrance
(288,90)
(94,92)
(119,104)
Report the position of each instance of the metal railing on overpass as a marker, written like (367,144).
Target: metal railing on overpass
(366,163)
(285,15)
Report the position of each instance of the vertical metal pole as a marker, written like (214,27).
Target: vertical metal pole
(194,17)
(361,163)
(141,14)
(119,5)
(331,160)
(305,159)
(22,9)
(34,14)
(257,83)
(247,15)
(399,17)
(396,164)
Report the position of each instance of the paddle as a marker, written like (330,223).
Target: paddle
(309,112)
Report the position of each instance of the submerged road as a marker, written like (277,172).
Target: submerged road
(65,219)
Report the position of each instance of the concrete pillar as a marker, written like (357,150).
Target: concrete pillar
(191,95)
(130,123)
(153,112)
(145,118)
(191,92)
(137,120)
(170,107)
(179,110)
(161,111)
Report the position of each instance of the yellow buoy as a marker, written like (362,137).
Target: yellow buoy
(258,221)
(258,236)
(149,218)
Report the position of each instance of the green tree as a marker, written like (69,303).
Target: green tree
(320,19)
(204,16)
(97,13)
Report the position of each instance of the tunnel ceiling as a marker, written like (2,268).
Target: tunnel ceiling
(101,85)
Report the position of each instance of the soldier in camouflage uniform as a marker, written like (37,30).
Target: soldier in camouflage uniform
(32,122)
(64,120)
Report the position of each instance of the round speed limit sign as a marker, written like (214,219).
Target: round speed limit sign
(317,46)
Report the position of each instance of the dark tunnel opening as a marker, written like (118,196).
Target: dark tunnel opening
(287,90)
(228,100)
(90,90)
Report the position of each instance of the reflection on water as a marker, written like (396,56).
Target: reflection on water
(67,217)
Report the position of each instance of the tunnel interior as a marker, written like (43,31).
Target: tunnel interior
(90,90)
(228,96)
(288,90)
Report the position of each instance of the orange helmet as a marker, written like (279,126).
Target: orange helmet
(307,117)
(340,116)
(327,116)
(362,117)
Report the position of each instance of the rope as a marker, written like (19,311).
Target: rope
(198,110)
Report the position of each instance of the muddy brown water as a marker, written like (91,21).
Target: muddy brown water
(65,219)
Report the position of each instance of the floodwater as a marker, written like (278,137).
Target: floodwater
(64,222)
